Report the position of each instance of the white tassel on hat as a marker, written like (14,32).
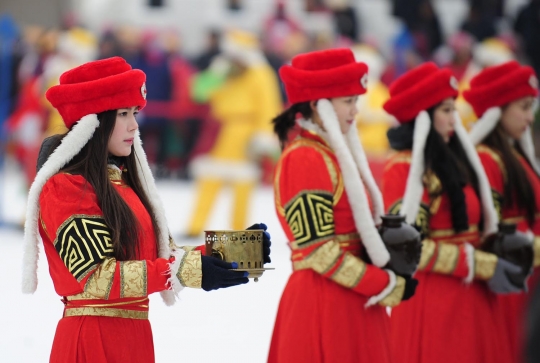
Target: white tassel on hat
(415,188)
(491,218)
(356,193)
(485,125)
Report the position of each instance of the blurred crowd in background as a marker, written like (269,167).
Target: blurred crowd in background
(182,120)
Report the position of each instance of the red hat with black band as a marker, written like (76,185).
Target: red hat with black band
(324,74)
(499,85)
(95,87)
(420,89)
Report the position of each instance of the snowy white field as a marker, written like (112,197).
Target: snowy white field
(228,325)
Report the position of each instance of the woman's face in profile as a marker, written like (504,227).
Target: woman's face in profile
(123,134)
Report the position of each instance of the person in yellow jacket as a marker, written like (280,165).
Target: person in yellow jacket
(243,93)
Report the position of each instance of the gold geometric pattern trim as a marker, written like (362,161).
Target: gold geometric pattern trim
(82,242)
(447,258)
(100,282)
(133,279)
(110,312)
(484,264)
(190,271)
(495,156)
(432,183)
(310,216)
(333,171)
(324,258)
(536,249)
(394,298)
(350,271)
(428,250)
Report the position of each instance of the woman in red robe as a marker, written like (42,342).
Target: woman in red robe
(103,228)
(333,308)
(436,180)
(503,97)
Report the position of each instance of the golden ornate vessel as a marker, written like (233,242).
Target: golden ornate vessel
(244,247)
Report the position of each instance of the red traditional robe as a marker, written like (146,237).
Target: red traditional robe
(321,315)
(513,307)
(106,301)
(447,320)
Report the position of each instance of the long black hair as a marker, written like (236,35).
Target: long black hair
(286,121)
(91,163)
(517,187)
(448,161)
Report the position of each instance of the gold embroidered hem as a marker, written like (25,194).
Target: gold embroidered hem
(350,271)
(190,271)
(394,298)
(484,264)
(322,259)
(109,312)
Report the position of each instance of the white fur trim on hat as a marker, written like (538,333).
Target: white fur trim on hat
(70,146)
(356,193)
(485,125)
(148,183)
(360,158)
(415,187)
(491,218)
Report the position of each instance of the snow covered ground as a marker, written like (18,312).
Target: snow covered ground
(229,325)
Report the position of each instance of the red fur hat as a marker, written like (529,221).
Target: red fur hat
(498,85)
(324,74)
(95,87)
(418,90)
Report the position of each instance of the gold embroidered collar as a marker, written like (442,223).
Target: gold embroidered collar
(115,173)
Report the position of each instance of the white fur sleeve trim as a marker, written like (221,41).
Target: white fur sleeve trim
(386,291)
(70,146)
(360,158)
(485,125)
(173,281)
(469,255)
(415,187)
(491,218)
(356,192)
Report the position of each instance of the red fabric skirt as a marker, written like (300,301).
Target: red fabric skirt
(448,322)
(319,321)
(97,339)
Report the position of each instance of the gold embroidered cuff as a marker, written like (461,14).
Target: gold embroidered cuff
(484,264)
(447,258)
(428,250)
(100,282)
(350,271)
(536,249)
(133,279)
(394,298)
(190,271)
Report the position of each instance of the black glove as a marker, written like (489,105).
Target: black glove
(266,240)
(217,274)
(410,288)
(500,282)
